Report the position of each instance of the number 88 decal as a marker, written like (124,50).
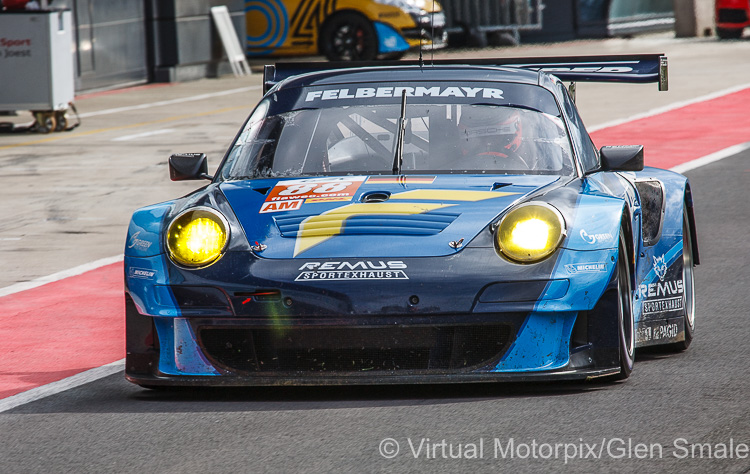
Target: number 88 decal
(322,188)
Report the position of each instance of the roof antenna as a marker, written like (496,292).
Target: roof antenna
(432,34)
(421,62)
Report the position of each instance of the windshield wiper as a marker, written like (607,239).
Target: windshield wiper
(399,155)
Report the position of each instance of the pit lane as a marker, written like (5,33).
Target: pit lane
(109,424)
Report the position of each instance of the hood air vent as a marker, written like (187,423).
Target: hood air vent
(376,196)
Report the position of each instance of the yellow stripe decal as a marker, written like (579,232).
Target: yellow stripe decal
(401,179)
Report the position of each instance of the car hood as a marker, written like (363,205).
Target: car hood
(372,216)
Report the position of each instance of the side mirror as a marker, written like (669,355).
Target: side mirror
(622,158)
(185,166)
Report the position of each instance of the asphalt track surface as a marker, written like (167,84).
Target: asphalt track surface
(678,412)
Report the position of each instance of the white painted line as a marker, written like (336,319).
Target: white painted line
(668,108)
(712,158)
(9,238)
(162,103)
(61,385)
(86,267)
(641,24)
(143,135)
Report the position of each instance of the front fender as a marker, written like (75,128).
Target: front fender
(595,224)
(145,230)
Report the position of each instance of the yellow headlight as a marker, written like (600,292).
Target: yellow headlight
(530,232)
(197,237)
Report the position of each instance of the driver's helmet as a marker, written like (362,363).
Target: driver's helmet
(489,130)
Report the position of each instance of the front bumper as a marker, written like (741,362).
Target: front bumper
(452,324)
(267,355)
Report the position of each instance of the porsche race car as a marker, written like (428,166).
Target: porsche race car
(406,222)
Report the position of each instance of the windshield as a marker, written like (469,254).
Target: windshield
(324,135)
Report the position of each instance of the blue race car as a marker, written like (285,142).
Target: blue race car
(407,222)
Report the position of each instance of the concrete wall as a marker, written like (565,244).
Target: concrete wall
(693,18)
(571,19)
(120,42)
(110,42)
(184,43)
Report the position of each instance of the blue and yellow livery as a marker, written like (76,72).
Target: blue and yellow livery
(409,223)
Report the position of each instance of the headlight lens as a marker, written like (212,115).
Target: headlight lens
(530,232)
(197,237)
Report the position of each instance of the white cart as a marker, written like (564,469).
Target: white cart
(36,66)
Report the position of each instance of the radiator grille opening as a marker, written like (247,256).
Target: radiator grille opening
(355,350)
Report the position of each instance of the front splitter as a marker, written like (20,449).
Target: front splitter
(357,379)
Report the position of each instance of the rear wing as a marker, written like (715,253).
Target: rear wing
(637,69)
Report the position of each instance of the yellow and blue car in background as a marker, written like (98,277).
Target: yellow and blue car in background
(343,30)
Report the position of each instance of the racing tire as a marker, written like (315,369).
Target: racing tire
(688,285)
(349,37)
(729,33)
(625,321)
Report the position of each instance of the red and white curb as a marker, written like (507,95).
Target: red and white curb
(71,272)
(61,385)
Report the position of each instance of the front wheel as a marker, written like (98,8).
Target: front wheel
(688,285)
(625,312)
(349,37)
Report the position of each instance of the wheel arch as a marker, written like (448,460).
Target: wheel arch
(691,222)
(627,227)
(678,196)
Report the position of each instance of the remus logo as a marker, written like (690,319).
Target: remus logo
(348,271)
(359,265)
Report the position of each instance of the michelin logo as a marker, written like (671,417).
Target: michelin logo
(389,92)
(586,267)
(143,273)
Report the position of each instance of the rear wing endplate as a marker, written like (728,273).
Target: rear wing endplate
(637,69)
